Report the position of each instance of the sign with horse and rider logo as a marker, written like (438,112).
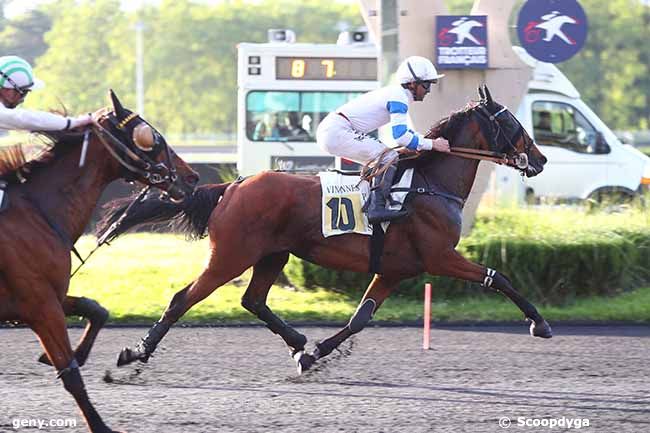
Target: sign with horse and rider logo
(461,42)
(552,30)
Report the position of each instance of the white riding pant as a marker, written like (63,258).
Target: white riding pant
(336,136)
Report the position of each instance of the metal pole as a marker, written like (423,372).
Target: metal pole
(427,317)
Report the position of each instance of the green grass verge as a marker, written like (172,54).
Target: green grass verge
(138,274)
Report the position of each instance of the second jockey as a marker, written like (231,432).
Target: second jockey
(344,133)
(16,81)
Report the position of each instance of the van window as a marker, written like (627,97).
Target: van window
(562,125)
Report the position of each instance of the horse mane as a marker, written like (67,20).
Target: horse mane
(448,126)
(14,167)
(11,159)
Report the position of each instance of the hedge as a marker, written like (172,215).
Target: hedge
(550,256)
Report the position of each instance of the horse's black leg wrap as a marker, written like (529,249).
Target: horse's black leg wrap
(499,282)
(175,310)
(539,327)
(69,378)
(291,337)
(326,347)
(90,309)
(73,383)
(153,337)
(143,351)
(362,316)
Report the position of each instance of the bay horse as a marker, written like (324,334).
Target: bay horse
(260,221)
(51,201)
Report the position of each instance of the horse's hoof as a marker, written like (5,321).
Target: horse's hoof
(542,329)
(44,360)
(127,356)
(304,361)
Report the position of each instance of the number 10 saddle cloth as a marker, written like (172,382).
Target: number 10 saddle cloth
(344,197)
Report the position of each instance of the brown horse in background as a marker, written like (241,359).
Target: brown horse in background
(51,202)
(260,221)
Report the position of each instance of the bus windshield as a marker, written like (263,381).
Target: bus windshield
(291,115)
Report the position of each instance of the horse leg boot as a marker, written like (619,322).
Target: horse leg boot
(456,266)
(52,332)
(265,272)
(381,186)
(377,292)
(217,272)
(539,327)
(73,383)
(147,346)
(97,317)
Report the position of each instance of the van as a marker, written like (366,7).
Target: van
(585,159)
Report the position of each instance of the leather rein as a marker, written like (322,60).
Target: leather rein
(137,164)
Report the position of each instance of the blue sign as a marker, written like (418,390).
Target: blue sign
(461,42)
(552,30)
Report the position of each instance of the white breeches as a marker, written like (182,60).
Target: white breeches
(336,137)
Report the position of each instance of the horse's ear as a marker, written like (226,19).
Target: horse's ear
(117,105)
(488,97)
(481,94)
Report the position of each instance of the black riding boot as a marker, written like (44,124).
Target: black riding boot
(378,212)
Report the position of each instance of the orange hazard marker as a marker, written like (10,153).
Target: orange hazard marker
(427,317)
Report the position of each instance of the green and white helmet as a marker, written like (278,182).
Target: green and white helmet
(16,73)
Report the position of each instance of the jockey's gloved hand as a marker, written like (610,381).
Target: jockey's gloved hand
(81,121)
(438,144)
(97,115)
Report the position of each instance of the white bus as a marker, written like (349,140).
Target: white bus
(285,89)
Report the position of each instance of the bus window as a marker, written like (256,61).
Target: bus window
(289,116)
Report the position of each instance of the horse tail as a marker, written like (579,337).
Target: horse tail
(196,210)
(189,217)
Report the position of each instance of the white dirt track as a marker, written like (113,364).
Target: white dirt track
(242,379)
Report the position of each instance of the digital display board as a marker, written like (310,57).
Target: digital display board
(325,68)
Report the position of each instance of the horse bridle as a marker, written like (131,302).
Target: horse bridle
(139,164)
(515,159)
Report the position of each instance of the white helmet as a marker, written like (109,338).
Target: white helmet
(416,68)
(16,73)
